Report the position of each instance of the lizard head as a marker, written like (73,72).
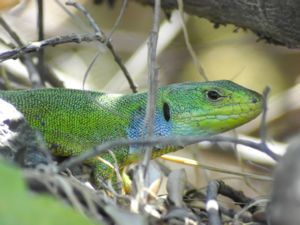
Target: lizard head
(207,108)
(203,109)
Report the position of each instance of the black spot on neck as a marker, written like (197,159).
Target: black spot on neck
(166,111)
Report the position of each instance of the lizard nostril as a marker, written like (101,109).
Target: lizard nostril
(254,100)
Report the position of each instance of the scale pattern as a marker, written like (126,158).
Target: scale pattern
(73,121)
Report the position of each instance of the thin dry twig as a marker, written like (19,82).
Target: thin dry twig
(152,82)
(117,172)
(106,41)
(68,190)
(176,186)
(243,210)
(87,15)
(6,43)
(118,20)
(46,73)
(164,141)
(58,40)
(263,127)
(71,38)
(85,200)
(118,60)
(263,124)
(40,26)
(215,188)
(73,17)
(116,24)
(197,64)
(238,197)
(191,162)
(212,205)
(89,68)
(167,29)
(34,76)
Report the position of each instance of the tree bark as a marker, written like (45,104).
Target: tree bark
(18,141)
(276,21)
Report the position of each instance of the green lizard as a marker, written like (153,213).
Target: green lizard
(73,121)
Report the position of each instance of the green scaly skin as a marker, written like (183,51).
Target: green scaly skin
(73,121)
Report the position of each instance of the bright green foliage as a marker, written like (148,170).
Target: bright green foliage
(20,207)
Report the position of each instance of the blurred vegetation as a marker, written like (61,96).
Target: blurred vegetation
(29,209)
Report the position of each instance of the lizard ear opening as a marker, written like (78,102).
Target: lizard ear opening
(166,111)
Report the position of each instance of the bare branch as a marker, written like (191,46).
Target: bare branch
(197,64)
(33,73)
(152,82)
(263,124)
(164,141)
(105,41)
(58,40)
(89,18)
(118,20)
(263,127)
(71,38)
(40,26)
(212,206)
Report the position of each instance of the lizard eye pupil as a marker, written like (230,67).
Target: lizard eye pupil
(213,95)
(166,111)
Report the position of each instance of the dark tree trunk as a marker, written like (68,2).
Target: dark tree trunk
(276,21)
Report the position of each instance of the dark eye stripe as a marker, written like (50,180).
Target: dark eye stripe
(166,111)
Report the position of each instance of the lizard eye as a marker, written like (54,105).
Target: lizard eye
(213,95)
(166,111)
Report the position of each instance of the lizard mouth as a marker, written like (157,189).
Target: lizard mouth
(217,121)
(226,112)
